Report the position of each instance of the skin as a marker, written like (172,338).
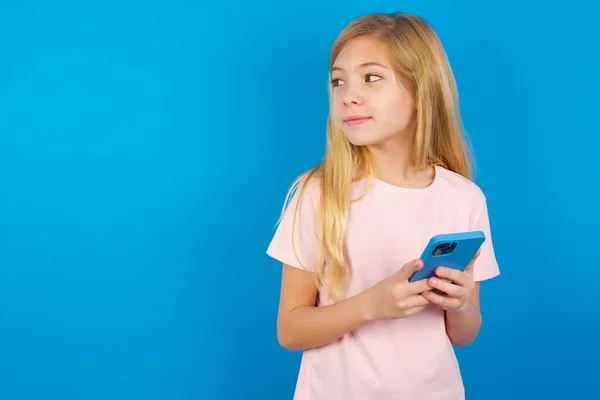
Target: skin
(364,85)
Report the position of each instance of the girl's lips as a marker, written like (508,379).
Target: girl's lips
(356,121)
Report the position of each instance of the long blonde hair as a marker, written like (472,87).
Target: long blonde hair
(421,62)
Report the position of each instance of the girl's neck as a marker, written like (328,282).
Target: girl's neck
(398,168)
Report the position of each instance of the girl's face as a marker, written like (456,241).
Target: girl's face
(368,101)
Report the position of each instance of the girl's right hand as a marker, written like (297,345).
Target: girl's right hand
(395,297)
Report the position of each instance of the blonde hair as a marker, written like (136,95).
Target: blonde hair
(421,62)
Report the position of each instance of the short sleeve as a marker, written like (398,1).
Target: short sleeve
(305,231)
(486,265)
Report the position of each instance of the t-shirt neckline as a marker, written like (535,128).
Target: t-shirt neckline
(415,190)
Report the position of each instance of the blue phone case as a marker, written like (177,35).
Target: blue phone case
(452,250)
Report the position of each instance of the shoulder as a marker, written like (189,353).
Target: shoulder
(456,184)
(306,189)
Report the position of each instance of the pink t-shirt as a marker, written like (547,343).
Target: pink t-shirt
(410,358)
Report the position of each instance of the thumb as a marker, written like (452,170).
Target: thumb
(409,268)
(469,268)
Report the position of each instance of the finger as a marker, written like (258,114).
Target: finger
(438,291)
(442,301)
(447,287)
(408,269)
(452,274)
(420,286)
(416,300)
(414,310)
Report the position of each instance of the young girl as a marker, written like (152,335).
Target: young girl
(396,172)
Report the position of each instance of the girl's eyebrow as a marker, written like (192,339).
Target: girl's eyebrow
(367,64)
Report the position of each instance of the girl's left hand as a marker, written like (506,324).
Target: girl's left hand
(453,286)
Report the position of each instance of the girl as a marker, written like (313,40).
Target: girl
(396,172)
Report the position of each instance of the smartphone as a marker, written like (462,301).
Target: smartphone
(451,250)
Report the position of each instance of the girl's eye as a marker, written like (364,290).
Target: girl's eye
(368,78)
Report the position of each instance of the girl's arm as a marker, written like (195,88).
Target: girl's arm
(301,325)
(463,325)
(460,300)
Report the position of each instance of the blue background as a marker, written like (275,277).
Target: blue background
(145,149)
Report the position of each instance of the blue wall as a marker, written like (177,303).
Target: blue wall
(145,150)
